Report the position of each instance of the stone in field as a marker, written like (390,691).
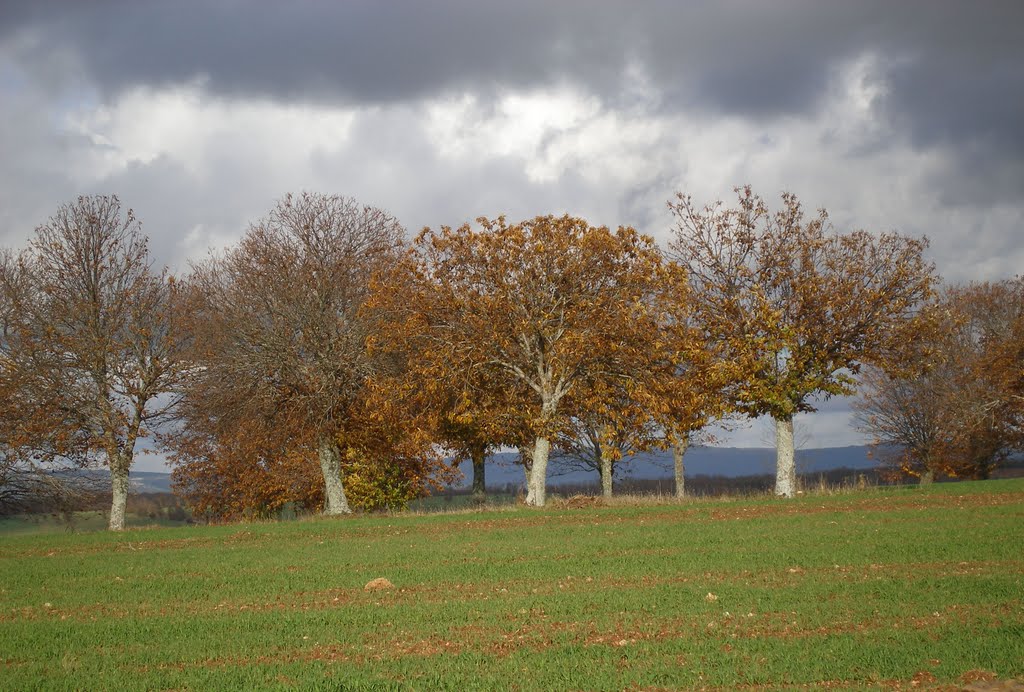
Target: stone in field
(378,584)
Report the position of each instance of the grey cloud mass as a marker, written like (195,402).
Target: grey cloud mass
(201,113)
(954,69)
(740,56)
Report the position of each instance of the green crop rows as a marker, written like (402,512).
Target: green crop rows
(865,590)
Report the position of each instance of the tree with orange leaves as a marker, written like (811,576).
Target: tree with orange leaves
(552,312)
(690,380)
(699,382)
(602,444)
(282,332)
(807,305)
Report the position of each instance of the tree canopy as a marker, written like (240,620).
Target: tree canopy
(552,310)
(810,305)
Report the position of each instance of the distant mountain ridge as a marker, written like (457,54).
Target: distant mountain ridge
(140,481)
(731,462)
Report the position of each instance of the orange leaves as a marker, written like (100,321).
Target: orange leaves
(540,306)
(88,332)
(286,337)
(804,304)
(515,330)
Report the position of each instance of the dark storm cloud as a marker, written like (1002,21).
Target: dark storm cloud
(743,55)
(952,72)
(955,70)
(362,50)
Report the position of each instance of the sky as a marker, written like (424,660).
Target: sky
(201,114)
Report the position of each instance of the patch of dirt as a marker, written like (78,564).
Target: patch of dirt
(922,677)
(987,681)
(579,502)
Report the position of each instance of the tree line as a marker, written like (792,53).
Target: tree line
(329,362)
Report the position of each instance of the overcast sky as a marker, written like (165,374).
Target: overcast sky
(200,114)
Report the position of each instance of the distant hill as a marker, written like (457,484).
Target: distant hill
(731,462)
(141,481)
(150,482)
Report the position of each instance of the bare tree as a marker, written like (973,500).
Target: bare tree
(602,444)
(903,416)
(282,331)
(90,342)
(958,411)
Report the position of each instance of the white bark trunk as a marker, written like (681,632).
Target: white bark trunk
(539,472)
(330,465)
(606,472)
(526,459)
(678,452)
(119,467)
(785,463)
(928,477)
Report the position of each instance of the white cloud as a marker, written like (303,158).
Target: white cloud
(192,128)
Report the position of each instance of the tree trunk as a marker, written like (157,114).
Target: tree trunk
(119,467)
(928,477)
(330,465)
(526,459)
(539,472)
(678,452)
(785,464)
(606,471)
(478,453)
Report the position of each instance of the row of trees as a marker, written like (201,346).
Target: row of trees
(326,361)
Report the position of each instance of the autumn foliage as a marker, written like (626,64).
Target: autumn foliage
(92,340)
(809,306)
(283,378)
(561,317)
(324,363)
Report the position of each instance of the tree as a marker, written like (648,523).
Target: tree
(467,410)
(596,444)
(549,311)
(688,381)
(903,416)
(282,333)
(700,385)
(91,345)
(957,412)
(808,305)
(987,406)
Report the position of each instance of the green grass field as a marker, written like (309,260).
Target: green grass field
(896,588)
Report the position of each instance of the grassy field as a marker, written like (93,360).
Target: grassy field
(896,588)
